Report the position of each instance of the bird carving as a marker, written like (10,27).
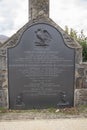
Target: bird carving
(43,37)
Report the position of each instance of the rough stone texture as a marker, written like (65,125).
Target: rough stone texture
(81,75)
(38,8)
(35,17)
(80,97)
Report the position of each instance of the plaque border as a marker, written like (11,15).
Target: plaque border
(18,42)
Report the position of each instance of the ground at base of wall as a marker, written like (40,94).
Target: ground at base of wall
(51,113)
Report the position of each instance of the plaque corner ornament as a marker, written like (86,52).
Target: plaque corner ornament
(43,37)
(19,101)
(63,100)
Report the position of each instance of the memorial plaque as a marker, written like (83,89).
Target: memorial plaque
(41,70)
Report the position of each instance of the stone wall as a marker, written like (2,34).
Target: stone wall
(81,84)
(38,8)
(3,78)
(80,95)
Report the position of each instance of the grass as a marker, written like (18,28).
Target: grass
(83,108)
(65,111)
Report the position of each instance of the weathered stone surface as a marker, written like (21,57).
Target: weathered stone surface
(79,83)
(38,8)
(3,98)
(14,40)
(81,97)
(85,83)
(81,71)
(40,15)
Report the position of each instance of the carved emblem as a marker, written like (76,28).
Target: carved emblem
(19,99)
(63,99)
(43,37)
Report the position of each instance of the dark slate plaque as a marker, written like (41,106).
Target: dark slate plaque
(41,70)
